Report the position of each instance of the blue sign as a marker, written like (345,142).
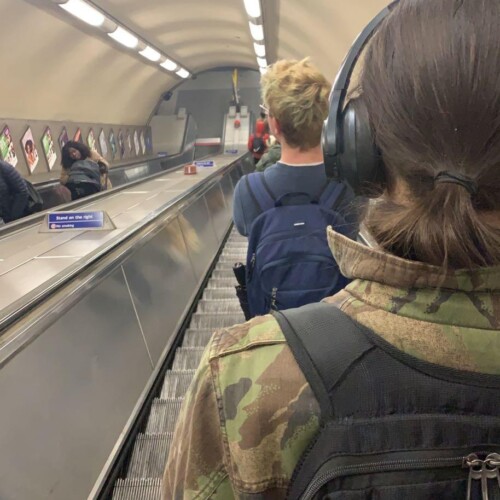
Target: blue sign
(231,151)
(205,163)
(76,220)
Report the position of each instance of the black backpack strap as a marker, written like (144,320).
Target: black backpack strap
(325,342)
(259,191)
(333,195)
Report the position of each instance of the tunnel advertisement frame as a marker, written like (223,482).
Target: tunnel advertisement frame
(7,149)
(32,158)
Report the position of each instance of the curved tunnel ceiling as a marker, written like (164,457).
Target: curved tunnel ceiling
(57,68)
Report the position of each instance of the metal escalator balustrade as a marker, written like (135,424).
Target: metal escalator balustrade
(218,308)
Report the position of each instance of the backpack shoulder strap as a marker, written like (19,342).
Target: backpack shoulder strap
(325,342)
(259,191)
(332,195)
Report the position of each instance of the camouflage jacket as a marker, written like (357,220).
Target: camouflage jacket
(250,413)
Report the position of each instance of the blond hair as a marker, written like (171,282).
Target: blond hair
(296,94)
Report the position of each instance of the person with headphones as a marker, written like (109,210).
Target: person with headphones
(391,388)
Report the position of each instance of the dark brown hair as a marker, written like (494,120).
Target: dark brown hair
(431,83)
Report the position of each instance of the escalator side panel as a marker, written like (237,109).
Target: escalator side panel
(67,396)
(161,280)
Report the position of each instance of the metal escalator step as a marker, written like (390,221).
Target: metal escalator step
(187,358)
(230,252)
(231,260)
(223,273)
(213,321)
(222,282)
(222,306)
(236,245)
(176,383)
(197,338)
(163,416)
(219,293)
(137,489)
(149,455)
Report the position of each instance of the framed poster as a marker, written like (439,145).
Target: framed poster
(112,143)
(121,143)
(136,143)
(29,149)
(7,150)
(129,142)
(91,140)
(102,143)
(143,143)
(78,135)
(48,148)
(63,138)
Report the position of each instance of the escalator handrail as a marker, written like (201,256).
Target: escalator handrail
(126,242)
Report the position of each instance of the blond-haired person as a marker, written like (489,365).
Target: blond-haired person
(295,96)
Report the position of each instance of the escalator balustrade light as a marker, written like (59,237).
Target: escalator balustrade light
(169,65)
(124,37)
(257,31)
(84,12)
(150,54)
(261,61)
(253,8)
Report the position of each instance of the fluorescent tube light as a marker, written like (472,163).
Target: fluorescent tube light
(261,61)
(183,73)
(124,37)
(253,8)
(260,50)
(263,71)
(150,53)
(169,65)
(257,31)
(84,12)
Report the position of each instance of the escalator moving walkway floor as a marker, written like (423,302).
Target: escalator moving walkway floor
(218,308)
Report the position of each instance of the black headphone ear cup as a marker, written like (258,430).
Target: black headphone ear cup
(359,162)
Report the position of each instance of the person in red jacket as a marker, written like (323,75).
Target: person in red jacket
(257,141)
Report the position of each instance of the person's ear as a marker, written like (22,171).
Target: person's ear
(274,126)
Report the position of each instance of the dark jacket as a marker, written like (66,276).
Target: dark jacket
(84,171)
(13,193)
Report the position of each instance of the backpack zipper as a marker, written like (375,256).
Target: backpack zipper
(482,470)
(489,468)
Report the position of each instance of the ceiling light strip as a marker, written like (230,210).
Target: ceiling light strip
(89,14)
(253,9)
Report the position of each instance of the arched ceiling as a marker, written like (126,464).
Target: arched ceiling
(57,68)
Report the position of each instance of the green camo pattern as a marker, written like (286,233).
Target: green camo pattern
(250,413)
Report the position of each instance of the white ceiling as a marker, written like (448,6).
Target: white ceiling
(53,67)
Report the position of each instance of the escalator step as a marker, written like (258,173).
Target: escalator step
(230,260)
(222,306)
(197,338)
(223,273)
(236,245)
(219,293)
(187,358)
(176,383)
(150,455)
(163,416)
(137,489)
(207,321)
(222,282)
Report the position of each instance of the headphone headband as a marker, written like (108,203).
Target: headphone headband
(332,130)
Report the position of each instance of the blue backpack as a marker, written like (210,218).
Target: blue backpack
(289,262)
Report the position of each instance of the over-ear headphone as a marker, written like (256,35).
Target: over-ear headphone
(349,149)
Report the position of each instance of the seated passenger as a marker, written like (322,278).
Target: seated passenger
(80,174)
(13,193)
(293,198)
(414,351)
(271,156)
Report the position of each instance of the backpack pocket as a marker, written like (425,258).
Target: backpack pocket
(286,283)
